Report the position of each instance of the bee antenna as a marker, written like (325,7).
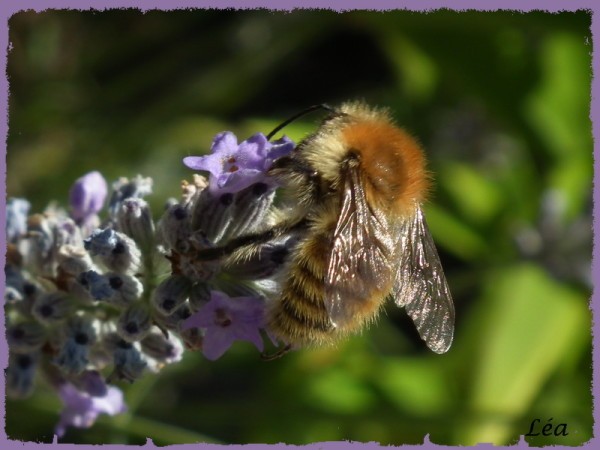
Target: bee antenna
(296,116)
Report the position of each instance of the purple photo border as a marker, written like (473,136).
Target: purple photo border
(10,7)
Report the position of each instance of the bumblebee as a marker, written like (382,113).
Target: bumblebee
(354,191)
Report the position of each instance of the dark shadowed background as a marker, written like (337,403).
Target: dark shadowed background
(500,102)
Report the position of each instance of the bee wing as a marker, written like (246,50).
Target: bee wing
(421,286)
(359,262)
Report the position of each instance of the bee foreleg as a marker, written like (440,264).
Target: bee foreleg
(250,239)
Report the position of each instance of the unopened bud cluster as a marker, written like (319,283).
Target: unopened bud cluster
(77,297)
(94,297)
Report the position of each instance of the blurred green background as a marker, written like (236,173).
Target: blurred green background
(500,101)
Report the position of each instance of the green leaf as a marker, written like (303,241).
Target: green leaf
(475,196)
(454,235)
(533,322)
(416,385)
(338,391)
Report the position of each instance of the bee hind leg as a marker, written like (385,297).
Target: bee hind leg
(278,354)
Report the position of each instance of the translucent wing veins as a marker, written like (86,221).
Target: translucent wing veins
(359,261)
(420,285)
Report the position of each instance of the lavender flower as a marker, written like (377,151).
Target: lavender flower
(226,320)
(82,407)
(131,296)
(87,197)
(234,167)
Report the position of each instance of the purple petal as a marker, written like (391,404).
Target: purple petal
(194,162)
(82,409)
(249,332)
(87,196)
(233,167)
(200,319)
(281,147)
(224,143)
(93,383)
(211,163)
(205,316)
(226,320)
(248,309)
(237,181)
(253,151)
(216,342)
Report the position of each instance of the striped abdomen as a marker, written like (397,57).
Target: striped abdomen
(299,315)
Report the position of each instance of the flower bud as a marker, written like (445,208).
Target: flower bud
(251,206)
(161,349)
(16,218)
(101,354)
(40,236)
(12,295)
(135,220)
(128,360)
(175,228)
(173,321)
(73,260)
(126,289)
(124,188)
(52,307)
(114,288)
(199,296)
(212,213)
(97,285)
(134,322)
(117,251)
(171,294)
(15,284)
(87,196)
(25,337)
(79,337)
(20,374)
